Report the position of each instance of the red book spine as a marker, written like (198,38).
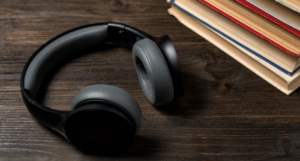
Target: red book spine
(269,17)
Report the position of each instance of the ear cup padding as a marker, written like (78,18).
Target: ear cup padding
(112,95)
(153,72)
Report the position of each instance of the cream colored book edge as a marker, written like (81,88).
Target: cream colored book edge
(234,52)
(292,4)
(244,37)
(278,11)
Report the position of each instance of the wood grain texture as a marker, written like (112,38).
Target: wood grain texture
(228,113)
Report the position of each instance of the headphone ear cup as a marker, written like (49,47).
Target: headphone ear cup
(100,128)
(112,95)
(153,72)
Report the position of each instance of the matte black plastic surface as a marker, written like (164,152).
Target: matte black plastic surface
(46,116)
(166,46)
(100,129)
(60,49)
(123,34)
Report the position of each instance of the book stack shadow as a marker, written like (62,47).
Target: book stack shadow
(263,35)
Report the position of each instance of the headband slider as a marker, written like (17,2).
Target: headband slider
(118,33)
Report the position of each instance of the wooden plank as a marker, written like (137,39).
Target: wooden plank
(228,113)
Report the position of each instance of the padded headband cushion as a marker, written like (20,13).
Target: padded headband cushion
(153,72)
(60,49)
(113,95)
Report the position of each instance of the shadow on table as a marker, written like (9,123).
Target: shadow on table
(194,100)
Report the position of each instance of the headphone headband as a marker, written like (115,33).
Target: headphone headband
(83,37)
(78,39)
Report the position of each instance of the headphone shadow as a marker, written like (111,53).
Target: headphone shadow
(136,149)
(139,147)
(195,92)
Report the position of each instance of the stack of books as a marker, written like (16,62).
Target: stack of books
(263,35)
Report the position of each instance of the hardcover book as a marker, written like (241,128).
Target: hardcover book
(292,4)
(231,38)
(256,24)
(276,13)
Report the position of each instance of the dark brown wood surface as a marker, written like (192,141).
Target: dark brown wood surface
(228,112)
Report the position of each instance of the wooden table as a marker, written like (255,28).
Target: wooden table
(228,112)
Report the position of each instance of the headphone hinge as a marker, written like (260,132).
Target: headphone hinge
(117,33)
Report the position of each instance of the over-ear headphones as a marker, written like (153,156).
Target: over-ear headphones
(103,119)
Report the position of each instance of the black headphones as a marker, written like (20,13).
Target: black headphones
(103,119)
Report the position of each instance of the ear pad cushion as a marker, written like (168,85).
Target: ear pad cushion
(153,72)
(112,95)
